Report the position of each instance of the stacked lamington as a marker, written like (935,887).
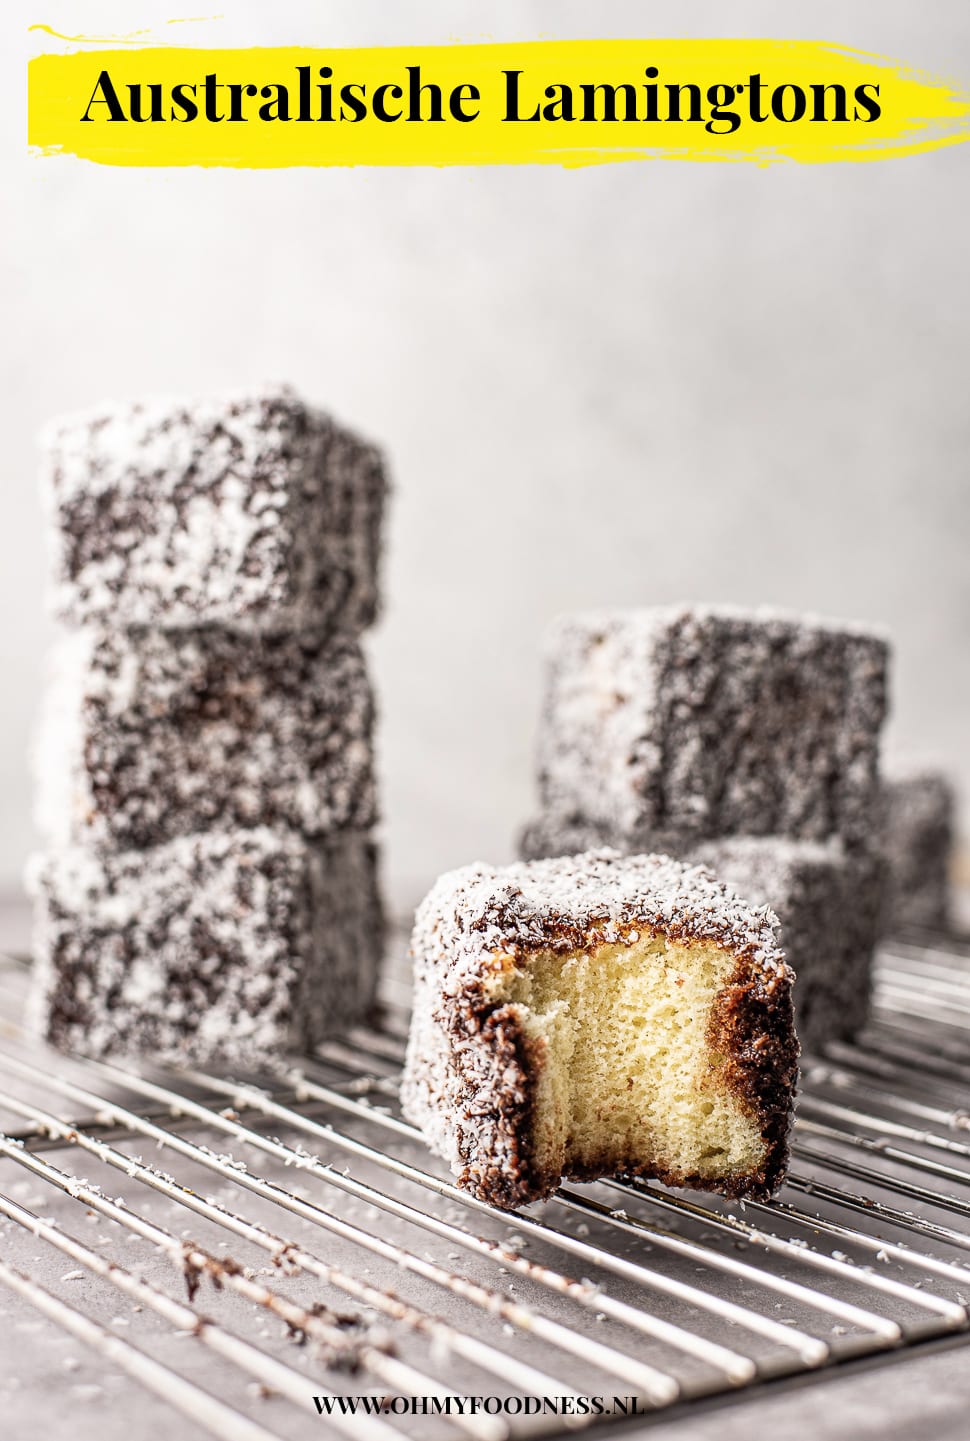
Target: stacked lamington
(748,741)
(205,762)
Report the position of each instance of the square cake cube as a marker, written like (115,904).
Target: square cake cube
(151,734)
(918,805)
(829,902)
(830,907)
(599,1015)
(712,721)
(252,511)
(552,833)
(229,946)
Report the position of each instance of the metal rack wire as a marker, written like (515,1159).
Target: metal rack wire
(386,1280)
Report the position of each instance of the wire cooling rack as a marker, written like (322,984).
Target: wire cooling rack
(252,1249)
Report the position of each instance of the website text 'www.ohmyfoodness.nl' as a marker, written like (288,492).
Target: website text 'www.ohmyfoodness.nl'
(571,1405)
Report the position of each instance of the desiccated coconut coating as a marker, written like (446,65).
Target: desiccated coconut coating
(251,511)
(711,721)
(472,1072)
(917,839)
(152,734)
(230,945)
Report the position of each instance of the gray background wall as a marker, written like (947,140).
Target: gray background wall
(628,384)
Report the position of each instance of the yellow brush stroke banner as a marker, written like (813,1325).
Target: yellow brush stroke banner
(562,102)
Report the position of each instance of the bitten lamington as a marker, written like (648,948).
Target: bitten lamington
(251,511)
(148,735)
(599,1015)
(703,721)
(232,946)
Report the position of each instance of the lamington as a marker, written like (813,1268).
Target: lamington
(251,511)
(600,1015)
(829,902)
(230,946)
(918,805)
(702,721)
(551,834)
(147,735)
(830,906)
